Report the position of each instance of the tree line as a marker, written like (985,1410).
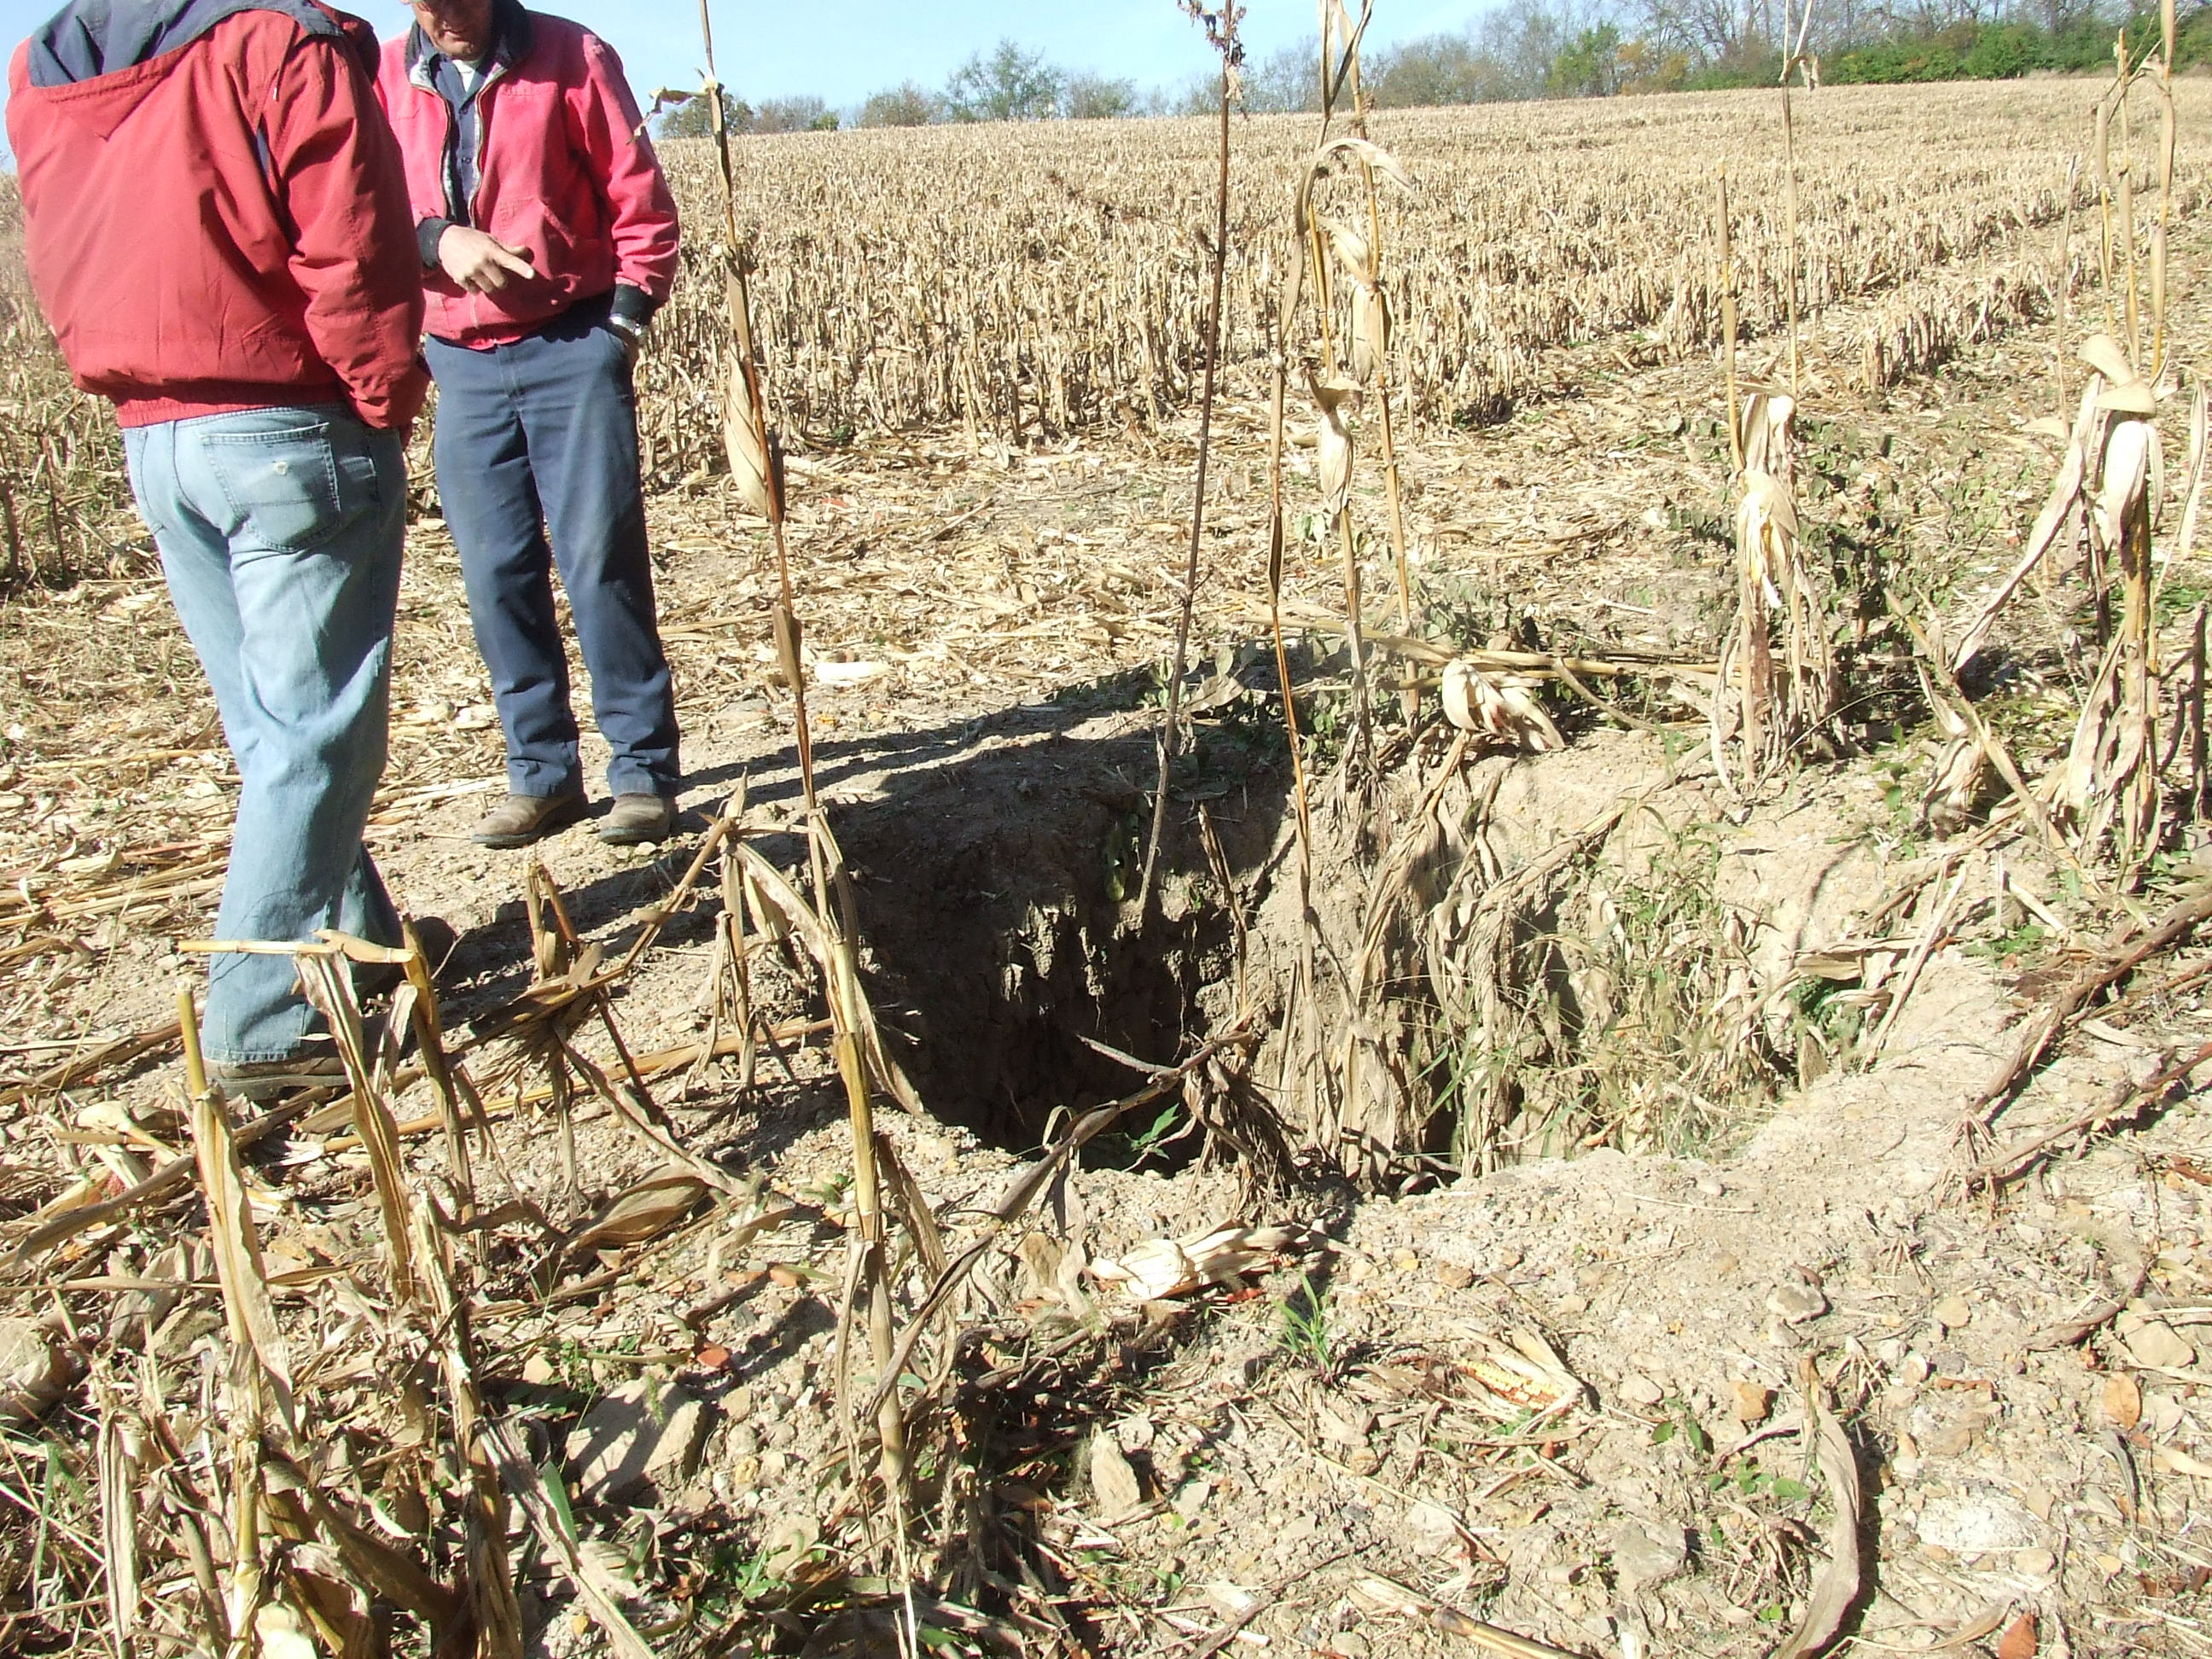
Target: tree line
(1525,49)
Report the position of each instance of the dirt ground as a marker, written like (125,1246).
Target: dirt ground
(1566,1398)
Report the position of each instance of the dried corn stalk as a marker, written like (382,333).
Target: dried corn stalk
(2107,789)
(1776,685)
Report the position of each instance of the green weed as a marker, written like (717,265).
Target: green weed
(1305,1335)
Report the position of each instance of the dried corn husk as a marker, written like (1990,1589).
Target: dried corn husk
(1518,1374)
(1161,1268)
(1359,150)
(1500,707)
(1333,439)
(33,1372)
(746,440)
(641,1212)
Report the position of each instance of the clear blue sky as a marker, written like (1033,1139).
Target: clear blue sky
(843,50)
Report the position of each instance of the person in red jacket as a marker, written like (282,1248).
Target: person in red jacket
(548,239)
(217,227)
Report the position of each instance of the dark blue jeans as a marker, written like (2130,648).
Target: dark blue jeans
(541,436)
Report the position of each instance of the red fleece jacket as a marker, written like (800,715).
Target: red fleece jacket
(566,173)
(224,227)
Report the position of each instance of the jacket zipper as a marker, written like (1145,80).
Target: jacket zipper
(496,73)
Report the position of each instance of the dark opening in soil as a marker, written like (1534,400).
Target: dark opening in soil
(998,896)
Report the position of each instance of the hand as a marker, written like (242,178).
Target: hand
(480,262)
(631,343)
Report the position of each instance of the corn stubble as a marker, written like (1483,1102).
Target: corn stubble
(1028,282)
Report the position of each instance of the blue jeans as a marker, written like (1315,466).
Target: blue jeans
(280,533)
(542,435)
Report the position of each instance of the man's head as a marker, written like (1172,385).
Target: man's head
(459,29)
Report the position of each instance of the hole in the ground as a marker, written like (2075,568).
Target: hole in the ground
(1001,932)
(1515,1003)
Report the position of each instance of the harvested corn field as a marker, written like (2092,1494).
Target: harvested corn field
(1028,282)
(1625,1087)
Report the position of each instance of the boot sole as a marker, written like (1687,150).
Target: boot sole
(262,1089)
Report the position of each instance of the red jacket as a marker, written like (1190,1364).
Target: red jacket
(565,171)
(214,215)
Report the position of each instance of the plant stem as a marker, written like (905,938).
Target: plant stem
(1170,732)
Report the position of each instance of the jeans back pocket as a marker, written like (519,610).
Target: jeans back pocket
(293,485)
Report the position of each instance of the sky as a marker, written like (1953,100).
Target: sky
(843,50)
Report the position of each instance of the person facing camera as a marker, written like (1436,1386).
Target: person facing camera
(548,239)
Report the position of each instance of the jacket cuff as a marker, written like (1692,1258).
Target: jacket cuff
(426,233)
(632,308)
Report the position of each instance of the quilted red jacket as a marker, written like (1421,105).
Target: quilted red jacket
(565,171)
(214,214)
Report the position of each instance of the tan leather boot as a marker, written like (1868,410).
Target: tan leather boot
(520,819)
(638,820)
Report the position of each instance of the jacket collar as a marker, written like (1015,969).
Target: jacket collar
(510,44)
(89,39)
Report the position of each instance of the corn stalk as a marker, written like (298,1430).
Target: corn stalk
(1777,684)
(756,464)
(1220,28)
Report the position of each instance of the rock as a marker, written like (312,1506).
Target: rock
(33,1372)
(1979,1521)
(1455,1276)
(538,1370)
(2155,1345)
(1431,1529)
(2036,1563)
(1113,1483)
(1795,1301)
(1347,1427)
(787,1544)
(1750,1403)
(1953,1311)
(1641,1390)
(638,1434)
(1645,1554)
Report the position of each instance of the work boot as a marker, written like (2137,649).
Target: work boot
(638,820)
(316,1066)
(256,1080)
(520,819)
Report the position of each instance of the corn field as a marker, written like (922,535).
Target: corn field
(1032,281)
(1025,282)
(1484,983)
